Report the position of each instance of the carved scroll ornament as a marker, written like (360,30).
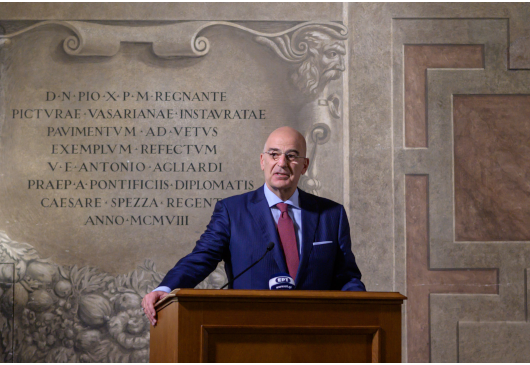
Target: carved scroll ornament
(178,39)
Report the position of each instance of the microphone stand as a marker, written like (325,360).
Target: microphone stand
(270,246)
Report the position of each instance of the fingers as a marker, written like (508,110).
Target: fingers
(149,308)
(148,304)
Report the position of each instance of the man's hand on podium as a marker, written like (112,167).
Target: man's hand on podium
(148,304)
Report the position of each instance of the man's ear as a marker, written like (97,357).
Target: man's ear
(306,165)
(261,162)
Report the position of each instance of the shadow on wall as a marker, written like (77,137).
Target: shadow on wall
(71,314)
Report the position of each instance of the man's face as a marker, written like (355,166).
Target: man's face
(283,175)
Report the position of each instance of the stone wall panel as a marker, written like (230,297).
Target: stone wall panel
(395,119)
(437,160)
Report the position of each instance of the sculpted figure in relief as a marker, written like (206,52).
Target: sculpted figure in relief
(325,62)
(325,51)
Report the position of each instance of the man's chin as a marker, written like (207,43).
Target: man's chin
(281,184)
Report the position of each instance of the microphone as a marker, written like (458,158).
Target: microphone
(270,246)
(281,281)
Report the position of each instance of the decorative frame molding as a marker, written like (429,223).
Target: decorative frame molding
(178,39)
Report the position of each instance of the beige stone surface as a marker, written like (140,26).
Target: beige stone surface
(437,161)
(493,342)
(89,219)
(7,308)
(249,76)
(363,163)
(173,11)
(422,281)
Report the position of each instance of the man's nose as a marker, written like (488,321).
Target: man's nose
(282,160)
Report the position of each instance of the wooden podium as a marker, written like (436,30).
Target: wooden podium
(277,326)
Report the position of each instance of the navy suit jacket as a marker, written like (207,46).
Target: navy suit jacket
(242,226)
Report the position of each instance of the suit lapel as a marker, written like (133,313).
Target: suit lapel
(259,208)
(310,215)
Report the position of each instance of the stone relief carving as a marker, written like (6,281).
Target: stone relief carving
(177,39)
(93,39)
(56,313)
(72,314)
(318,135)
(315,52)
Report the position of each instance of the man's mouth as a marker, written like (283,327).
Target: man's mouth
(281,174)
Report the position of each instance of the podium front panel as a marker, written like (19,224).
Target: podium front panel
(265,326)
(289,344)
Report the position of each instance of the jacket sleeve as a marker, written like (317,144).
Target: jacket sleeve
(209,250)
(347,275)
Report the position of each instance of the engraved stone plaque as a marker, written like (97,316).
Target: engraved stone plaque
(116,142)
(107,151)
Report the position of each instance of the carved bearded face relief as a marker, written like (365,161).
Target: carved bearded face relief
(325,62)
(332,60)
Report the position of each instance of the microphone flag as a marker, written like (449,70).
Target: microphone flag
(281,281)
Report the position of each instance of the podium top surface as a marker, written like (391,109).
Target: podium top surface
(215,295)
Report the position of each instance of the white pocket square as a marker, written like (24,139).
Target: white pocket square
(321,243)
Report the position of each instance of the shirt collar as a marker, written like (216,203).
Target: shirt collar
(273,199)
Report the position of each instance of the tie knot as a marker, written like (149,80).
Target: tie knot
(282,207)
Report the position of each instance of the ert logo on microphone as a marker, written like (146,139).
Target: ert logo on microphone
(281,282)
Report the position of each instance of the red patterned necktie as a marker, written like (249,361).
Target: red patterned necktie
(288,238)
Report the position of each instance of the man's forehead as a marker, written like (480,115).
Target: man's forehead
(274,149)
(284,141)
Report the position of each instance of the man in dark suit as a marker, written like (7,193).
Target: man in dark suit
(311,235)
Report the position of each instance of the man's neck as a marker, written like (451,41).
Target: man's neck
(282,194)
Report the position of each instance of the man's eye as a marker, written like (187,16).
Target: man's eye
(274,155)
(290,156)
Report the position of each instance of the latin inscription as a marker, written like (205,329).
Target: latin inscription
(169,135)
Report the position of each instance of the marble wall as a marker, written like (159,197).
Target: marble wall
(456,278)
(122,124)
